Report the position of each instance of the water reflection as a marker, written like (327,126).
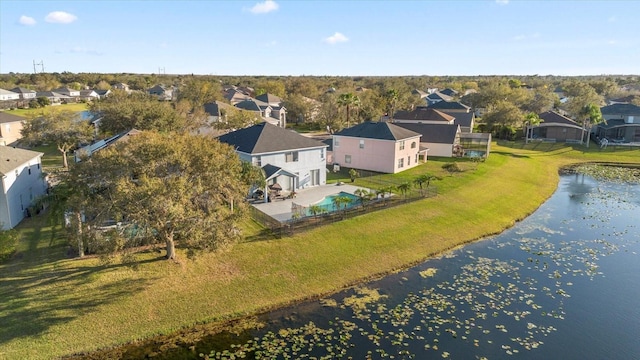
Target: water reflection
(561,284)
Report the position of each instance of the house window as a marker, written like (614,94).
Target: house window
(416,158)
(38,166)
(322,154)
(413,145)
(291,156)
(29,170)
(257,161)
(336,142)
(402,145)
(400,163)
(408,160)
(361,144)
(347,159)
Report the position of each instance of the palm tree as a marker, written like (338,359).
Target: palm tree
(392,97)
(348,100)
(404,188)
(593,116)
(425,179)
(340,201)
(531,119)
(364,196)
(315,210)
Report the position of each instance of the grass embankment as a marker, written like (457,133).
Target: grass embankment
(52,305)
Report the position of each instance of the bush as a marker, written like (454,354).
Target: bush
(8,241)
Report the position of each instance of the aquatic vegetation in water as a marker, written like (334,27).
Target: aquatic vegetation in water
(490,305)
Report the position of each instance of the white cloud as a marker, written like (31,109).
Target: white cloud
(264,7)
(502,2)
(60,17)
(82,50)
(336,38)
(27,20)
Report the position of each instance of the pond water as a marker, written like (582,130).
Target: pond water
(562,284)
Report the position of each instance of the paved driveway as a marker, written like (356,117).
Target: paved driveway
(281,209)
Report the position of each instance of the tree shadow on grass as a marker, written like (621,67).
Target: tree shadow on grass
(41,287)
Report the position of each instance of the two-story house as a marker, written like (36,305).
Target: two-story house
(22,183)
(622,123)
(289,159)
(377,146)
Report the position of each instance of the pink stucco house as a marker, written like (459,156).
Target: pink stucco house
(377,146)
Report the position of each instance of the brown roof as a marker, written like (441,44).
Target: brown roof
(8,118)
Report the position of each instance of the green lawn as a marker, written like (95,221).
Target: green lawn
(54,305)
(75,107)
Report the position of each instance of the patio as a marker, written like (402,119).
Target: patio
(281,209)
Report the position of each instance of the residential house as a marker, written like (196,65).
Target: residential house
(88,95)
(10,128)
(289,159)
(377,146)
(441,139)
(629,99)
(163,93)
(121,86)
(466,120)
(54,97)
(424,115)
(622,123)
(6,95)
(24,94)
(555,127)
(275,117)
(22,183)
(103,93)
(235,96)
(71,93)
(419,93)
(449,92)
(278,111)
(452,106)
(437,97)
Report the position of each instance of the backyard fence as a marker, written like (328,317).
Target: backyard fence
(303,219)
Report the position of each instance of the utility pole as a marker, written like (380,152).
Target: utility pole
(41,63)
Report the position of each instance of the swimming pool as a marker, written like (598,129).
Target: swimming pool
(327,204)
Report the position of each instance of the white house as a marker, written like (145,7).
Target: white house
(288,158)
(22,183)
(8,95)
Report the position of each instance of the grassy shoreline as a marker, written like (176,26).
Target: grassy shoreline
(57,306)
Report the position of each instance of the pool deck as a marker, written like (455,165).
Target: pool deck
(281,209)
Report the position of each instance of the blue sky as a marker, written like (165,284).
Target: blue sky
(480,37)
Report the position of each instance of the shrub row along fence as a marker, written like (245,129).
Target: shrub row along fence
(304,218)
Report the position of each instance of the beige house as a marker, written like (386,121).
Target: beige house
(10,127)
(377,146)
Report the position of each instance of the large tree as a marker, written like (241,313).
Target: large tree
(179,187)
(65,129)
(200,92)
(122,112)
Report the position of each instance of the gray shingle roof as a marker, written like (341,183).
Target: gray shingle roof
(433,133)
(11,158)
(269,99)
(22,90)
(461,118)
(449,105)
(7,118)
(266,138)
(621,109)
(378,130)
(423,113)
(214,108)
(439,96)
